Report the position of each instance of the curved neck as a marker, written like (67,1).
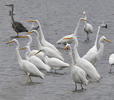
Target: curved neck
(97,35)
(45,59)
(39,44)
(71,56)
(101,49)
(12,18)
(42,38)
(28,49)
(18,54)
(30,41)
(76,29)
(26,55)
(76,54)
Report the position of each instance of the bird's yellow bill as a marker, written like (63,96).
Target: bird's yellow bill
(29,32)
(22,48)
(84,19)
(31,21)
(37,52)
(10,42)
(68,38)
(65,48)
(23,36)
(107,40)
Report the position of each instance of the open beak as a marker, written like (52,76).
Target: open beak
(10,42)
(31,21)
(107,40)
(22,48)
(37,52)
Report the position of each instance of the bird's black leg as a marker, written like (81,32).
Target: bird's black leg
(87,36)
(29,78)
(110,69)
(82,86)
(17,35)
(87,39)
(75,88)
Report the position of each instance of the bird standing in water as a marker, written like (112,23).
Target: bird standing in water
(17,26)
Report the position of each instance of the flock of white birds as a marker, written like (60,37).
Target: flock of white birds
(47,57)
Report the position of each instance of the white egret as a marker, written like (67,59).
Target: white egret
(88,28)
(85,65)
(25,65)
(54,63)
(43,41)
(49,51)
(111,61)
(36,60)
(78,74)
(63,40)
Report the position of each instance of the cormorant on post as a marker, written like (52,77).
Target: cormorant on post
(17,26)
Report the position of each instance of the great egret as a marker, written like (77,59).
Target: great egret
(54,63)
(36,60)
(32,52)
(49,51)
(85,65)
(88,28)
(25,65)
(111,61)
(17,26)
(63,40)
(78,74)
(43,41)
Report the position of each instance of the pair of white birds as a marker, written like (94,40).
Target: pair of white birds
(32,64)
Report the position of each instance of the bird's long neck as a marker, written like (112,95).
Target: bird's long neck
(45,59)
(76,54)
(76,29)
(28,49)
(97,35)
(29,42)
(12,18)
(18,54)
(26,55)
(101,49)
(71,56)
(42,38)
(39,44)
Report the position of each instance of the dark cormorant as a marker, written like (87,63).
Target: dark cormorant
(17,26)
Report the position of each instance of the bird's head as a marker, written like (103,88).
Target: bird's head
(12,41)
(84,13)
(103,38)
(32,31)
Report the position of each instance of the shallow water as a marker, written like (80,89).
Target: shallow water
(58,18)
